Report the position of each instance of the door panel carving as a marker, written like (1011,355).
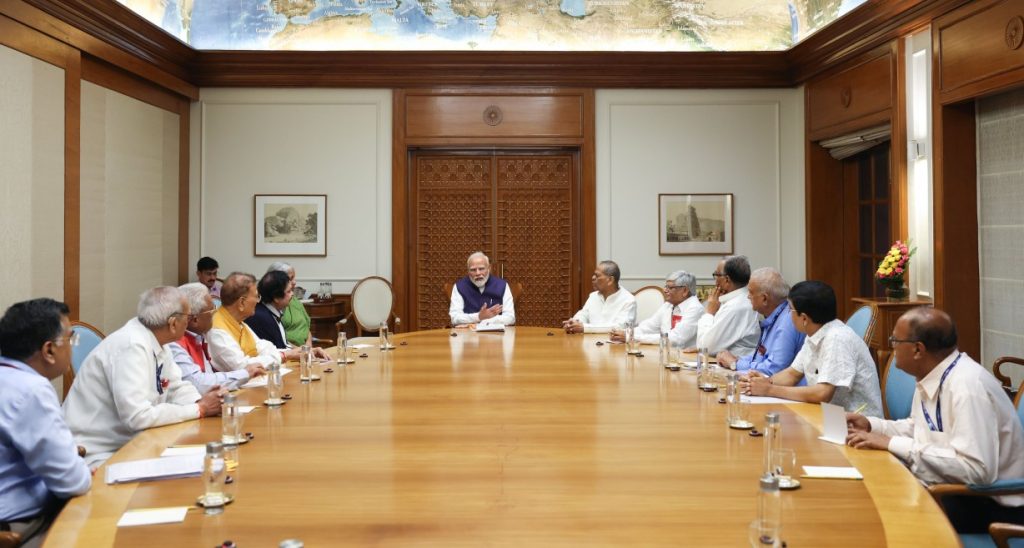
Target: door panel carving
(516,208)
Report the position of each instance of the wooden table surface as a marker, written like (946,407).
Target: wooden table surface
(507,439)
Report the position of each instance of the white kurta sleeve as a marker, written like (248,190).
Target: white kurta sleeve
(226,355)
(133,385)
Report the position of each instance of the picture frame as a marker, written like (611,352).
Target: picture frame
(695,224)
(289,225)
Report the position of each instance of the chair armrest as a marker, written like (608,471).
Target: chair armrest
(1003,532)
(1001,487)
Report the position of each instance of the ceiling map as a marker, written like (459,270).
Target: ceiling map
(492,25)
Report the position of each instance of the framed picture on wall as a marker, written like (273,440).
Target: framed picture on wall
(289,225)
(695,224)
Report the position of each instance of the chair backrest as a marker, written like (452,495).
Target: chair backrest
(862,321)
(516,288)
(9,539)
(373,299)
(1017,401)
(648,299)
(897,391)
(89,337)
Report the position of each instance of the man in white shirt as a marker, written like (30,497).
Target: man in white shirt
(130,382)
(479,296)
(677,316)
(609,306)
(191,352)
(729,322)
(962,428)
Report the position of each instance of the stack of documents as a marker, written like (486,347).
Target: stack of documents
(832,472)
(490,326)
(182,466)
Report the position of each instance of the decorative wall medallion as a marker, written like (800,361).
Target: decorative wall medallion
(1015,32)
(846,96)
(492,115)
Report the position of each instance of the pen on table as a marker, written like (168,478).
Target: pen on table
(860,409)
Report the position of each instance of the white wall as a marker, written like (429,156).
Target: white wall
(745,142)
(129,200)
(302,141)
(31,178)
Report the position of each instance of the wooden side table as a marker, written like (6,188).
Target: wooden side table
(886,314)
(324,315)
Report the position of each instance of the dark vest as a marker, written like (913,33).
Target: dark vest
(494,293)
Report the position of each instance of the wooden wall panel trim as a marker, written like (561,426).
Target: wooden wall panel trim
(588,212)
(72,181)
(898,151)
(33,43)
(124,40)
(495,116)
(562,69)
(860,31)
(975,55)
(184,120)
(823,216)
(860,95)
(400,213)
(113,78)
(957,278)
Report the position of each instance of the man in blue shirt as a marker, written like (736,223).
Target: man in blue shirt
(39,463)
(779,341)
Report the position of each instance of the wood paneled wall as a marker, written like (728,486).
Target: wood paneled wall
(83,56)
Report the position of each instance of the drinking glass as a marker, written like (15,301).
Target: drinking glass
(342,348)
(305,367)
(274,385)
(214,471)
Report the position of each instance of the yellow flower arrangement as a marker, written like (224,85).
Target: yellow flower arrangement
(894,265)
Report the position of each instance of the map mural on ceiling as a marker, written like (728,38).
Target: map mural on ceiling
(505,25)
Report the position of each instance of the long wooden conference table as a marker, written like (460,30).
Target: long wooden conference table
(531,437)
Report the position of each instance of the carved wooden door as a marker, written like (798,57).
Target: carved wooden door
(518,208)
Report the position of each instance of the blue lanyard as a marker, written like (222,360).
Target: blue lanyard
(938,400)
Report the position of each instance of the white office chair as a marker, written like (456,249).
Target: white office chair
(648,299)
(373,301)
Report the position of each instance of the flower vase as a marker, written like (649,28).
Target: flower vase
(896,293)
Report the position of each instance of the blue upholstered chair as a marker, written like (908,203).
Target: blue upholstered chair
(89,337)
(862,321)
(897,391)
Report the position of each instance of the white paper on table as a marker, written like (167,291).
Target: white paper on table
(182,466)
(489,325)
(179,450)
(832,472)
(759,400)
(361,346)
(246,409)
(262,379)
(151,516)
(833,424)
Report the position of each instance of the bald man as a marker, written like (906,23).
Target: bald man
(962,428)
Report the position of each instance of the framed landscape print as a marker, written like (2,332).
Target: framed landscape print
(290,224)
(695,224)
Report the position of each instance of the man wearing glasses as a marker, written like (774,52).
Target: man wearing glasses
(677,316)
(962,428)
(192,353)
(729,322)
(130,382)
(39,464)
(779,341)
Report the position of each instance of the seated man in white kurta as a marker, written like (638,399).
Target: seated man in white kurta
(677,316)
(729,322)
(130,382)
(608,307)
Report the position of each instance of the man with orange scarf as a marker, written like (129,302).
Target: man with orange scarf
(233,345)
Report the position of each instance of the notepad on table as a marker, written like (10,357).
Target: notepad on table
(832,472)
(178,450)
(152,516)
(758,400)
(488,326)
(360,346)
(181,466)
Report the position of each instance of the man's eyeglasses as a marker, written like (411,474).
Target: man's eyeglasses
(893,341)
(717,274)
(673,287)
(72,339)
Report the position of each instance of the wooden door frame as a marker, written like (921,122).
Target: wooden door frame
(402,145)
